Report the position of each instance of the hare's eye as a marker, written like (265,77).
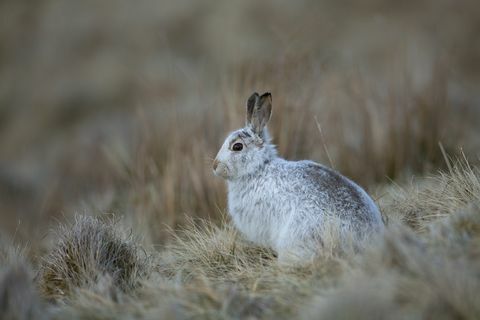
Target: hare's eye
(237,147)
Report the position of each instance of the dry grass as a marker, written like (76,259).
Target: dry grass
(119,108)
(210,272)
(424,266)
(432,276)
(435,196)
(91,253)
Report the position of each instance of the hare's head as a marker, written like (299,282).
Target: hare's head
(248,149)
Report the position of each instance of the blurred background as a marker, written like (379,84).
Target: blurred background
(120,106)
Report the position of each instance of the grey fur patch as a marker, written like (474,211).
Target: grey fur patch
(340,191)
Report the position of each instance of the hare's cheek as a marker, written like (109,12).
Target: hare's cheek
(242,159)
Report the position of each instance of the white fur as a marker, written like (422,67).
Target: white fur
(286,205)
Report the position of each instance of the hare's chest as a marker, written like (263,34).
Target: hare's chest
(254,214)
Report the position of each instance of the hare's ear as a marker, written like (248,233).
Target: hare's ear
(259,110)
(251,102)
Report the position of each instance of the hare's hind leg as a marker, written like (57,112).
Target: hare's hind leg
(297,247)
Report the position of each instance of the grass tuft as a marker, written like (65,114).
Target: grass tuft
(92,253)
(436,196)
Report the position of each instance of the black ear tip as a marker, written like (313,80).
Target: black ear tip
(266,97)
(253,97)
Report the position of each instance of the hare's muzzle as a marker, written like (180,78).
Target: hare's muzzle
(215,164)
(219,169)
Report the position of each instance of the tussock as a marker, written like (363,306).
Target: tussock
(435,196)
(214,251)
(92,253)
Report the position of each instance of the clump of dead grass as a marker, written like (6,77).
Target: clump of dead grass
(92,253)
(213,250)
(436,196)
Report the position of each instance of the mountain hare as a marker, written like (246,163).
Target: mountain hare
(286,205)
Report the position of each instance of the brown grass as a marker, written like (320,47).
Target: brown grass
(211,272)
(119,108)
(88,254)
(434,197)
(408,276)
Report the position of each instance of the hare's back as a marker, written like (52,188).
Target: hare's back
(346,199)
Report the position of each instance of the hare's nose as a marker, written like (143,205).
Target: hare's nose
(215,164)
